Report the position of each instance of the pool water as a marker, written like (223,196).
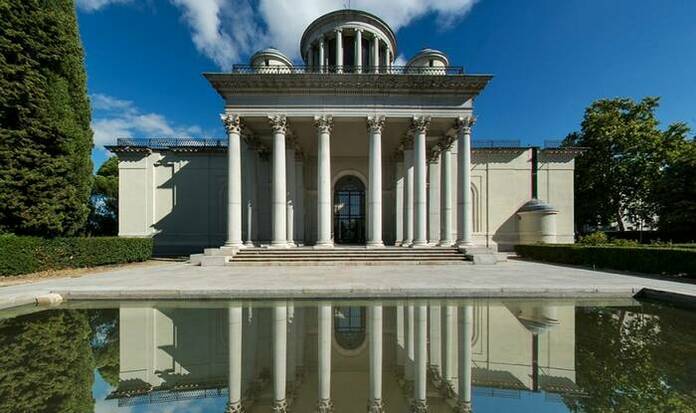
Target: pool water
(384,355)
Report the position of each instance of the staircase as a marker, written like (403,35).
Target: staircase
(349,256)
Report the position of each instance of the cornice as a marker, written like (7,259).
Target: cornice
(235,84)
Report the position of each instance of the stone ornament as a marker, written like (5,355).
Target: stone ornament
(232,123)
(375,406)
(420,124)
(325,406)
(323,123)
(279,123)
(465,123)
(419,406)
(235,407)
(375,124)
(280,406)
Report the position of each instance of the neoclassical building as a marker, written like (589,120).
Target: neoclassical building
(345,148)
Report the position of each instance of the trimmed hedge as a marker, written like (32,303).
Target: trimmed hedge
(672,261)
(22,255)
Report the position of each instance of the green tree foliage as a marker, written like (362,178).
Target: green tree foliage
(45,135)
(47,363)
(105,343)
(616,179)
(675,194)
(103,215)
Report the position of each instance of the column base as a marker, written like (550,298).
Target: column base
(445,243)
(406,244)
(279,245)
(420,244)
(233,244)
(249,244)
(374,244)
(323,245)
(462,243)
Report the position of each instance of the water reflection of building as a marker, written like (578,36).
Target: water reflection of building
(405,356)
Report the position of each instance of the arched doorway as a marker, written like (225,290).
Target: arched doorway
(349,211)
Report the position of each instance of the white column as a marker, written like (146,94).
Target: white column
(374,233)
(279,125)
(420,127)
(446,186)
(249,192)
(449,365)
(292,351)
(358,51)
(299,336)
(466,329)
(400,337)
(321,54)
(464,206)
(388,60)
(434,200)
(410,354)
(323,125)
(324,404)
(280,336)
(375,53)
(234,180)
(399,203)
(374,314)
(339,51)
(290,179)
(420,382)
(234,403)
(299,200)
(435,339)
(408,198)
(310,57)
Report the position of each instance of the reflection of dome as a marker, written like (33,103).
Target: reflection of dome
(535,318)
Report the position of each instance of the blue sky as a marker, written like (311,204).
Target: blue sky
(550,58)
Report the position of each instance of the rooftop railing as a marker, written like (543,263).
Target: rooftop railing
(390,70)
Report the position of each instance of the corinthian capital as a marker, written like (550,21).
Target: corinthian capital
(375,124)
(232,123)
(323,123)
(465,123)
(420,124)
(279,123)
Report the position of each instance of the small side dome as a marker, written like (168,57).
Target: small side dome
(270,60)
(428,61)
(535,205)
(537,222)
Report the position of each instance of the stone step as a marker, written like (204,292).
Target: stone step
(343,263)
(287,259)
(344,254)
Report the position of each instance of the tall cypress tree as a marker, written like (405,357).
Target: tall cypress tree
(45,135)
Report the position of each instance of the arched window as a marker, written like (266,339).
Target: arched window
(350,327)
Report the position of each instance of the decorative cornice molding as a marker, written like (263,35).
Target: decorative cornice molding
(375,124)
(232,123)
(323,123)
(279,123)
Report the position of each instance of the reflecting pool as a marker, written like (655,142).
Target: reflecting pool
(349,356)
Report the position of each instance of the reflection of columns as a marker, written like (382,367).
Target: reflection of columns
(323,125)
(292,351)
(321,54)
(434,200)
(399,203)
(358,51)
(375,53)
(435,341)
(290,179)
(374,314)
(449,365)
(375,125)
(446,202)
(420,384)
(400,340)
(280,336)
(235,358)
(234,180)
(465,217)
(279,125)
(339,51)
(299,200)
(324,404)
(408,198)
(410,357)
(466,329)
(420,126)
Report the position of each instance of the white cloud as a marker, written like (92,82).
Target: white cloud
(225,30)
(116,118)
(94,5)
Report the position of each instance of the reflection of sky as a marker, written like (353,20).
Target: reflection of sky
(528,402)
(101,389)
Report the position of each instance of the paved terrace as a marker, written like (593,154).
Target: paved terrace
(182,281)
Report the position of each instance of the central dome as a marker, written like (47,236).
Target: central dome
(348,38)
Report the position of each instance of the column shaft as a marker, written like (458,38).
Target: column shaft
(299,202)
(447,199)
(290,178)
(435,339)
(410,353)
(278,123)
(321,54)
(420,383)
(449,365)
(419,160)
(408,198)
(466,329)
(400,337)
(434,189)
(375,125)
(358,51)
(465,218)
(375,54)
(324,362)
(339,51)
(280,336)
(375,332)
(235,357)
(234,181)
(399,203)
(323,124)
